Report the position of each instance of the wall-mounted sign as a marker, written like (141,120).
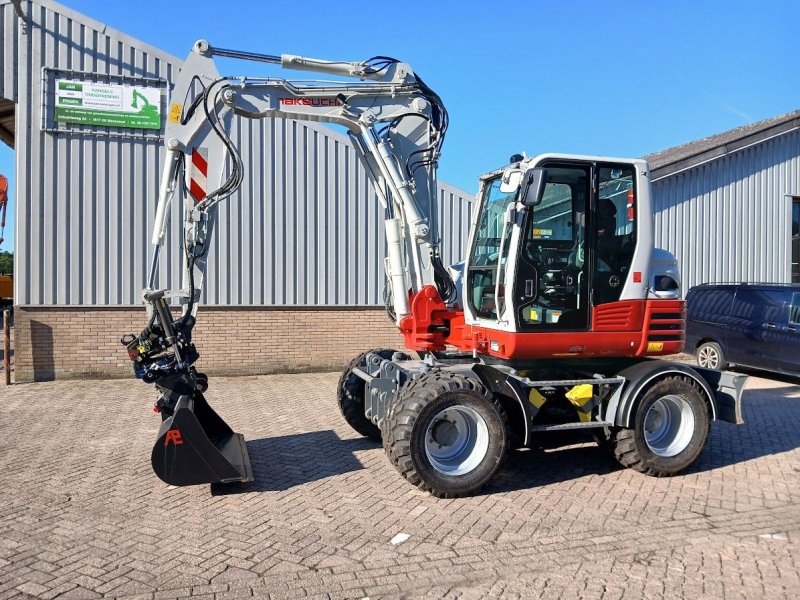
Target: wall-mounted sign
(108,105)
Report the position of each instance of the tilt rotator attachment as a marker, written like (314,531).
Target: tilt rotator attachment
(194,444)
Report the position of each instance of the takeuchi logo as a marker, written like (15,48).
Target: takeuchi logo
(311,102)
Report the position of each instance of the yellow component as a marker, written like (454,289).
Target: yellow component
(531,314)
(655,346)
(175,111)
(584,417)
(535,398)
(580,394)
(141,349)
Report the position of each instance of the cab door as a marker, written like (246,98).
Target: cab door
(551,288)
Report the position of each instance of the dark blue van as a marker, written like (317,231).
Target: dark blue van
(749,324)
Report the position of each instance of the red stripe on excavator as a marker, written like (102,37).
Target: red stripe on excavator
(632,335)
(626,328)
(199,161)
(196,191)
(199,172)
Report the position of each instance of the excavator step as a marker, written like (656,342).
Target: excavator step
(195,446)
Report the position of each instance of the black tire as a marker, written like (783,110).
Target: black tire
(604,438)
(631,446)
(410,418)
(711,356)
(350,394)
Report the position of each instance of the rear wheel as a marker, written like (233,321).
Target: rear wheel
(446,434)
(350,393)
(670,428)
(710,356)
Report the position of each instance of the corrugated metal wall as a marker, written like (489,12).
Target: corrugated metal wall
(304,230)
(307,228)
(729,220)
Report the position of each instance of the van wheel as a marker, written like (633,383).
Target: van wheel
(670,429)
(710,356)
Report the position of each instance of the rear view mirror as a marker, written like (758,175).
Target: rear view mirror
(533,187)
(509,184)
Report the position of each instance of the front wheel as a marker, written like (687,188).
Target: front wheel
(446,434)
(669,431)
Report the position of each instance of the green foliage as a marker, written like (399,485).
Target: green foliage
(6,263)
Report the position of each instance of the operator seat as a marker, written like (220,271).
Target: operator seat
(612,263)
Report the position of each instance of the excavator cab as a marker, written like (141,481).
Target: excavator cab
(573,263)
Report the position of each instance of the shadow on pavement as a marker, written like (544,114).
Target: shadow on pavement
(772,426)
(783,378)
(282,462)
(555,457)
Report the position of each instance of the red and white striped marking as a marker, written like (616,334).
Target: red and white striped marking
(199,174)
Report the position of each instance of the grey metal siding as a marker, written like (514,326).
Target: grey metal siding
(729,220)
(305,229)
(8,78)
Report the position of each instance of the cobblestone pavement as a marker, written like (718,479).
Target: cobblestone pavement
(82,515)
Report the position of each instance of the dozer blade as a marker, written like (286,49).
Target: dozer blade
(196,446)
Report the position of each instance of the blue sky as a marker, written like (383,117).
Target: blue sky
(612,78)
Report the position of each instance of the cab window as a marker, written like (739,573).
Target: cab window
(483,269)
(615,230)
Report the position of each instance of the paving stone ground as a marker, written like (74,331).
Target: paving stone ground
(83,516)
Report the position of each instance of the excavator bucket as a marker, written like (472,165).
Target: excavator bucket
(196,446)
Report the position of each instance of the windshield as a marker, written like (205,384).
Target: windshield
(491,223)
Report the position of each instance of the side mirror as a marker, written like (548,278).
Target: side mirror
(509,184)
(533,188)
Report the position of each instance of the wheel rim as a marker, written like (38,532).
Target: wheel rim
(669,426)
(708,357)
(456,440)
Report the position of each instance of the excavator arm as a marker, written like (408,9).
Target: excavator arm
(397,125)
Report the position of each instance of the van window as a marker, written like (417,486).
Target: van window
(710,304)
(774,302)
(754,304)
(794,310)
(748,305)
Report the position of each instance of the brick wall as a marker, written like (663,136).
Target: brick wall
(62,343)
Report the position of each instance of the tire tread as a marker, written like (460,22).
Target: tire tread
(403,412)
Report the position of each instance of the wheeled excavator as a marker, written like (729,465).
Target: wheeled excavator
(554,321)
